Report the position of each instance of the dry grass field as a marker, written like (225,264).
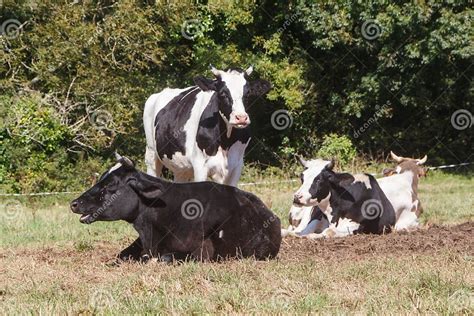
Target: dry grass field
(51,264)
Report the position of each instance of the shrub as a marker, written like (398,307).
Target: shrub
(339,147)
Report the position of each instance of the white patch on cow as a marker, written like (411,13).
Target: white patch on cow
(235,82)
(313,169)
(407,220)
(398,169)
(398,190)
(115,167)
(362,178)
(314,227)
(221,233)
(180,165)
(303,215)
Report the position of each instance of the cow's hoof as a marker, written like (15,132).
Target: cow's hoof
(313,236)
(145,258)
(114,263)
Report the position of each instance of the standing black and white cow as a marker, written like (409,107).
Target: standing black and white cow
(201,221)
(201,131)
(357,199)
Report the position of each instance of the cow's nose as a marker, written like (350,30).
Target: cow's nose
(241,118)
(74,205)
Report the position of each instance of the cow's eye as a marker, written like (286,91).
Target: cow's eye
(112,186)
(302,178)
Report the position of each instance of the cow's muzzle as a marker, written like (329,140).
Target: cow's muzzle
(239,120)
(87,217)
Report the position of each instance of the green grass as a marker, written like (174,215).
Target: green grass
(50,263)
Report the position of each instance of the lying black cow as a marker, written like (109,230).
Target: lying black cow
(357,199)
(201,221)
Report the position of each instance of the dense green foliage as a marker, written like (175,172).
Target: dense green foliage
(74,80)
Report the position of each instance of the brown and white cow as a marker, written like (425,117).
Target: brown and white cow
(403,180)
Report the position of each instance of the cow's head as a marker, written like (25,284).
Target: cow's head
(405,164)
(117,194)
(110,198)
(303,196)
(233,89)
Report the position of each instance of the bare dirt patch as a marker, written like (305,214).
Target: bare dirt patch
(424,241)
(430,240)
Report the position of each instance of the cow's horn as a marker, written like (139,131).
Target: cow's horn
(395,157)
(249,70)
(331,164)
(422,160)
(117,156)
(215,71)
(301,160)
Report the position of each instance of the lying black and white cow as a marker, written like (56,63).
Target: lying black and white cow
(201,131)
(202,221)
(350,203)
(401,190)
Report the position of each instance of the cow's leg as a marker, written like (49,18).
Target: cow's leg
(201,172)
(150,240)
(205,252)
(233,176)
(153,164)
(132,252)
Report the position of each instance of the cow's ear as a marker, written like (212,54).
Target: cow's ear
(259,87)
(148,191)
(204,83)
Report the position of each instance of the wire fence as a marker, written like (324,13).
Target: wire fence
(257,183)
